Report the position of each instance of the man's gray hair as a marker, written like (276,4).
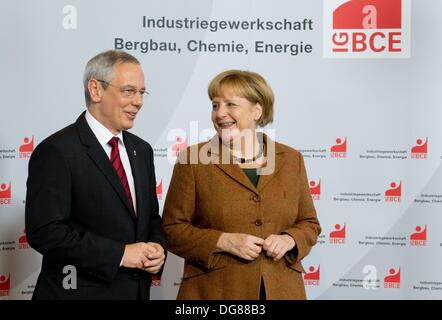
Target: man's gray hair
(100,68)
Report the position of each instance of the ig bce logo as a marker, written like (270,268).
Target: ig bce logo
(367,28)
(5,193)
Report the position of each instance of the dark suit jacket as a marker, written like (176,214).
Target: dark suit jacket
(77,214)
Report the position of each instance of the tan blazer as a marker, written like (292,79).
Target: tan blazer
(205,200)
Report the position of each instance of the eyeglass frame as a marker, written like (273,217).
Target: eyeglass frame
(129,92)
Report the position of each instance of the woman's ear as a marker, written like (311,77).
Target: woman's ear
(258,111)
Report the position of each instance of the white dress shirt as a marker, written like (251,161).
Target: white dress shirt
(104,135)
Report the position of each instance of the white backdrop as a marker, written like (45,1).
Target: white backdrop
(375,92)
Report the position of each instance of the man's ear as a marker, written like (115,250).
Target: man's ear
(95,90)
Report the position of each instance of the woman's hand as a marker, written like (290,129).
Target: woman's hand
(241,245)
(276,246)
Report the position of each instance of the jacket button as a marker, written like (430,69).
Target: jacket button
(258,222)
(256,198)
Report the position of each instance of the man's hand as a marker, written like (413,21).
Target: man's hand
(145,256)
(155,258)
(276,246)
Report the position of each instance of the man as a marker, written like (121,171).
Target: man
(91,206)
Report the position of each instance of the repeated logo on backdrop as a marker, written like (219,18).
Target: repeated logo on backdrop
(315,189)
(419,237)
(5,285)
(25,149)
(393,279)
(159,189)
(5,193)
(23,241)
(339,150)
(312,277)
(417,150)
(420,150)
(394,193)
(179,145)
(337,236)
(339,233)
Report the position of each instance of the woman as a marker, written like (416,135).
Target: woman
(238,208)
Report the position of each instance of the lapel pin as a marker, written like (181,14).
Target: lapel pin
(135,153)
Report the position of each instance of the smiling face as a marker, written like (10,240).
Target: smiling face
(111,107)
(232,115)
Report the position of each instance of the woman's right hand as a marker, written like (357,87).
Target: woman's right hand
(241,245)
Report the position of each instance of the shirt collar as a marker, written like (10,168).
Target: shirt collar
(101,132)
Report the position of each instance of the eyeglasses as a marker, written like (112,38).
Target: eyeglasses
(128,91)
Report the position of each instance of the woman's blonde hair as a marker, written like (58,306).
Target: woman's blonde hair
(248,85)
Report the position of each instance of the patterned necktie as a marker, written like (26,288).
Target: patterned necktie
(118,165)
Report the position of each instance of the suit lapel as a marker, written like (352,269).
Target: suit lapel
(275,161)
(221,158)
(98,156)
(264,179)
(134,164)
(236,173)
